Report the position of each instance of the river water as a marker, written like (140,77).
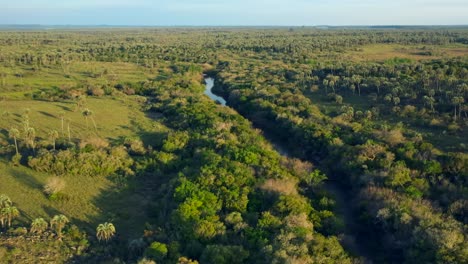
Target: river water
(209,85)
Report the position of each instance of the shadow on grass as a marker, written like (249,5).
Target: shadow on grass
(47,114)
(25,178)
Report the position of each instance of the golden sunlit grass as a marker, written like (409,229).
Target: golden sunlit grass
(382,52)
(84,203)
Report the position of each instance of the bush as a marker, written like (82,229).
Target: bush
(96,92)
(16,159)
(54,185)
(157,251)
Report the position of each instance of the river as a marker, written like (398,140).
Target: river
(341,197)
(208,87)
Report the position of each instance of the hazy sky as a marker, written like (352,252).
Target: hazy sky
(234,12)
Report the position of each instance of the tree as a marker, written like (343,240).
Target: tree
(25,120)
(31,138)
(429,100)
(58,223)
(4,201)
(89,114)
(53,135)
(62,118)
(398,175)
(80,103)
(157,251)
(357,81)
(332,80)
(68,130)
(8,213)
(105,231)
(457,101)
(14,134)
(39,225)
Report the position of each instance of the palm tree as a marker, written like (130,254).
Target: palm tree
(332,80)
(105,231)
(25,122)
(429,100)
(357,80)
(58,223)
(457,101)
(87,113)
(8,213)
(3,217)
(62,118)
(39,225)
(4,201)
(53,135)
(14,134)
(68,130)
(31,137)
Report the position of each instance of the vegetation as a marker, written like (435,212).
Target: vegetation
(337,146)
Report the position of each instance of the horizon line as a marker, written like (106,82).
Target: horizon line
(234,25)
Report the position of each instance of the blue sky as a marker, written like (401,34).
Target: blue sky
(234,12)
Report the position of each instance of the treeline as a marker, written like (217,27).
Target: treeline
(150,47)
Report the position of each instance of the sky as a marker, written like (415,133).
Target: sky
(234,12)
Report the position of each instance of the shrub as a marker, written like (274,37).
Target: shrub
(96,92)
(16,159)
(157,251)
(54,186)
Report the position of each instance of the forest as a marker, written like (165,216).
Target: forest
(337,145)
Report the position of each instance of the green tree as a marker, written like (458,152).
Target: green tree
(8,213)
(105,231)
(31,138)
(14,134)
(89,114)
(58,222)
(62,119)
(399,175)
(156,251)
(5,201)
(39,225)
(68,130)
(53,135)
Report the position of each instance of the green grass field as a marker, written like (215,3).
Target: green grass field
(382,52)
(87,202)
(20,79)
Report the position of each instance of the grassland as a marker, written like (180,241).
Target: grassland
(383,52)
(116,117)
(18,80)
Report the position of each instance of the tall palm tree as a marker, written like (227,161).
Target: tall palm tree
(87,113)
(53,135)
(3,217)
(357,79)
(105,231)
(62,118)
(25,122)
(5,202)
(68,130)
(80,103)
(39,225)
(31,138)
(58,222)
(9,213)
(14,134)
